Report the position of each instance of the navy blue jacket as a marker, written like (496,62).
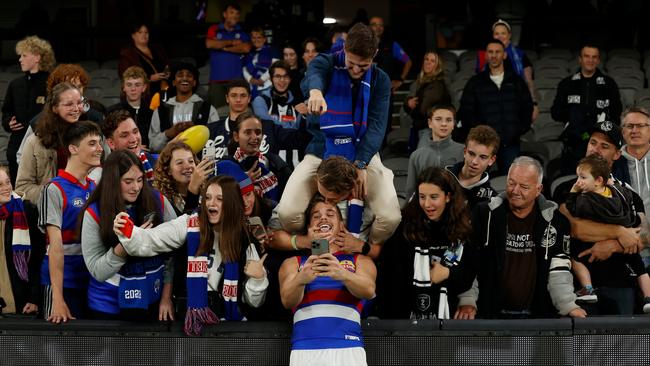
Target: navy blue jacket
(318,77)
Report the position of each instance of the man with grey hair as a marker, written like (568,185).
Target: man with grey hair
(636,134)
(525,270)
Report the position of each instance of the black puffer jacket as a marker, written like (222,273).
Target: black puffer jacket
(507,109)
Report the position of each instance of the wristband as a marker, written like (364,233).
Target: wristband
(294,242)
(366,248)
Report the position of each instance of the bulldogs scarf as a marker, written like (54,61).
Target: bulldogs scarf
(198,312)
(344,127)
(20,241)
(148,168)
(266,185)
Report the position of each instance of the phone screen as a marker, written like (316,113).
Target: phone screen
(257,227)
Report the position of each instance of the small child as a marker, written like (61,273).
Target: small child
(593,197)
(257,63)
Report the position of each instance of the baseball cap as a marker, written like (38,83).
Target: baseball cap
(610,130)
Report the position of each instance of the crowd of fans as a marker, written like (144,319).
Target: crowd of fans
(287,212)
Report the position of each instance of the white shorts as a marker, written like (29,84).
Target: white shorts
(328,357)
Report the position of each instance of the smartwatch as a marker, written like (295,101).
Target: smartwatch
(360,164)
(366,248)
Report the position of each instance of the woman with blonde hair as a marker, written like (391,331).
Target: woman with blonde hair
(26,94)
(429,89)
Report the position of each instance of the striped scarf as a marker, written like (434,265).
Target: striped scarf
(266,185)
(342,126)
(258,67)
(198,312)
(516,57)
(20,241)
(148,168)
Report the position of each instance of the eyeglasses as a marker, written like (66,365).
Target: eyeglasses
(639,126)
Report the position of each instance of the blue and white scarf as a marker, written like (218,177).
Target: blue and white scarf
(516,57)
(342,126)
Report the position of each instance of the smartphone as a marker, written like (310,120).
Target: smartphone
(249,162)
(127,229)
(320,246)
(257,227)
(149,217)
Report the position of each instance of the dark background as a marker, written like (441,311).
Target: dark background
(96,29)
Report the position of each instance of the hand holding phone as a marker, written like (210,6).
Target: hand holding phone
(319,246)
(127,229)
(257,229)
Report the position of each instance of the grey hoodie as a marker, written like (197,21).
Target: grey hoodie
(639,175)
(435,153)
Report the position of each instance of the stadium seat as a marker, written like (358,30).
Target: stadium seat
(399,166)
(551,74)
(627,53)
(642,95)
(89,65)
(13,69)
(110,64)
(557,181)
(555,53)
(546,88)
(467,55)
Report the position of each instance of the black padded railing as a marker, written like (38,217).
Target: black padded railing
(592,341)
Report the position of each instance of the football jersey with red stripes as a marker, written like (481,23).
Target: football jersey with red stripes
(328,316)
(74,195)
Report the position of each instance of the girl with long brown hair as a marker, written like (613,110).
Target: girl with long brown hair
(429,253)
(225,275)
(123,287)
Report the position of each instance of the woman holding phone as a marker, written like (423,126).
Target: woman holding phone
(178,175)
(122,286)
(429,255)
(226,277)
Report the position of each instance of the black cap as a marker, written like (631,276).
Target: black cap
(609,129)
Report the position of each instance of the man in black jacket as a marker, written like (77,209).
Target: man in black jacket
(524,270)
(499,98)
(582,100)
(26,95)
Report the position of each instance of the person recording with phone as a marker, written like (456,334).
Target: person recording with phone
(179,176)
(122,286)
(326,292)
(226,278)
